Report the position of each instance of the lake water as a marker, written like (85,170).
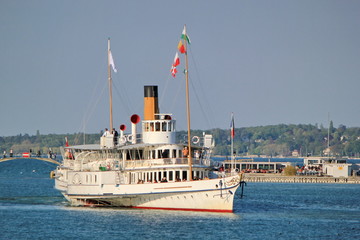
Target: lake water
(30,208)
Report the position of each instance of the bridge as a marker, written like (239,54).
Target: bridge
(50,160)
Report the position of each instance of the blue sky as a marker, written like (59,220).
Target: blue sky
(269,62)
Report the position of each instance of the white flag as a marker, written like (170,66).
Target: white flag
(111,62)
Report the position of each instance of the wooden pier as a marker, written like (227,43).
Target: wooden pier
(278,178)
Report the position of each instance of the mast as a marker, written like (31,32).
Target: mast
(188,109)
(232,134)
(110,88)
(328,142)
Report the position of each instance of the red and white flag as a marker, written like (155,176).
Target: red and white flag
(232,126)
(66,142)
(173,71)
(176,60)
(176,63)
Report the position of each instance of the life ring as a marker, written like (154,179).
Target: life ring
(123,139)
(130,137)
(195,139)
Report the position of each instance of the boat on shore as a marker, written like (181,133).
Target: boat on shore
(148,170)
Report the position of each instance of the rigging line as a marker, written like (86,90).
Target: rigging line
(209,108)
(123,101)
(95,104)
(96,87)
(86,114)
(201,107)
(179,89)
(127,99)
(164,90)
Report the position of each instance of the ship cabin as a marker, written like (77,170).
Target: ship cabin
(143,162)
(152,156)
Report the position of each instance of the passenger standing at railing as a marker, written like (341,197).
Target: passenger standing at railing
(106,133)
(185,152)
(197,154)
(116,135)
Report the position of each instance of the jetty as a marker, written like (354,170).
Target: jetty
(50,160)
(279,178)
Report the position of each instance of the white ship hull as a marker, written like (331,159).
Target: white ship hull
(215,195)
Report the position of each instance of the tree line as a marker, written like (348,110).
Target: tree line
(273,140)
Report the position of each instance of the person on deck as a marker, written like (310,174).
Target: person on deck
(185,152)
(106,133)
(116,136)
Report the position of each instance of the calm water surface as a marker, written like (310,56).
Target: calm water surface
(30,208)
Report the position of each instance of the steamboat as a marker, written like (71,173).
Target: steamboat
(149,169)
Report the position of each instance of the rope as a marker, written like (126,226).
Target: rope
(208,111)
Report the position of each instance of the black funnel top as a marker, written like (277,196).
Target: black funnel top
(151,91)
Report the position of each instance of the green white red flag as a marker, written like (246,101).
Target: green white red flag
(185,36)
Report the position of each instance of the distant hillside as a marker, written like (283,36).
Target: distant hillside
(275,140)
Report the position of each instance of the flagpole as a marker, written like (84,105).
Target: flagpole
(232,142)
(188,109)
(110,88)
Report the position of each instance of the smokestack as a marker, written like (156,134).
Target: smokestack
(151,106)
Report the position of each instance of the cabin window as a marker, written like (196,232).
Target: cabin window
(163,126)
(169,126)
(151,126)
(165,153)
(174,153)
(184,175)
(177,176)
(171,176)
(157,126)
(150,177)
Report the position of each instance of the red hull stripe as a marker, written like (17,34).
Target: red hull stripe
(188,209)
